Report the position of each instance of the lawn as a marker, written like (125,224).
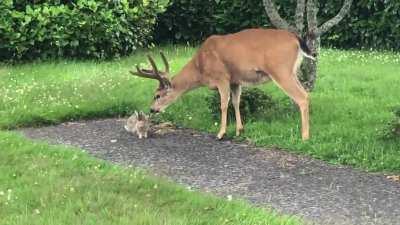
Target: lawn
(47,185)
(352,102)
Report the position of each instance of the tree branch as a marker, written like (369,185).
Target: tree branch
(335,20)
(274,16)
(299,16)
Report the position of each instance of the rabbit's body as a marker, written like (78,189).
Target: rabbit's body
(138,123)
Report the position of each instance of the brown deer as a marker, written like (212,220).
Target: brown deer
(227,62)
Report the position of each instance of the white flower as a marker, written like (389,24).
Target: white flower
(9,194)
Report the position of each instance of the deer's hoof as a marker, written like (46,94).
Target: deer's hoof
(239,130)
(220,135)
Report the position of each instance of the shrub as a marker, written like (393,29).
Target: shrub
(371,23)
(78,28)
(194,20)
(254,103)
(392,129)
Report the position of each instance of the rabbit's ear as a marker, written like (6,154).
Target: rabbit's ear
(136,114)
(141,115)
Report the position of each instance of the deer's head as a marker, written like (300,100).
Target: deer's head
(165,93)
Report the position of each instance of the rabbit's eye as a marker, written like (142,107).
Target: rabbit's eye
(157,97)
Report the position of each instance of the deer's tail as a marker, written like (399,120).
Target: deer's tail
(305,50)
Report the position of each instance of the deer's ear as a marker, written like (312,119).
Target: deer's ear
(168,87)
(167,82)
(164,84)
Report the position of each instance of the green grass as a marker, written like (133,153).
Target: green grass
(47,185)
(351,103)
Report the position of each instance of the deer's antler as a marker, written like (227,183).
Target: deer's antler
(154,73)
(165,62)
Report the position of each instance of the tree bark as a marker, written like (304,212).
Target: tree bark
(309,70)
(299,16)
(335,20)
(312,22)
(275,18)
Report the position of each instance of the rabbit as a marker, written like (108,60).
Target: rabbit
(138,123)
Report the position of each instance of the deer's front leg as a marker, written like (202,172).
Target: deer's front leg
(224,92)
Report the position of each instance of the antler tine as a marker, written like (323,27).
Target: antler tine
(152,74)
(144,73)
(153,64)
(165,62)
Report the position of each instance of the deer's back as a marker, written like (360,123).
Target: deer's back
(248,56)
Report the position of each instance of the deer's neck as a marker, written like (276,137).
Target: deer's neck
(187,79)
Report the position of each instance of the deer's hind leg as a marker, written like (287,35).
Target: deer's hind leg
(236,91)
(224,93)
(289,83)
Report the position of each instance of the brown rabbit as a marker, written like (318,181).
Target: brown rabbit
(138,123)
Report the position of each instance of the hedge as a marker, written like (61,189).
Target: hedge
(194,20)
(31,29)
(371,23)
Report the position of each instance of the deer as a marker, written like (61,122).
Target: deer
(228,62)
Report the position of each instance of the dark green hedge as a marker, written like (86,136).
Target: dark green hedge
(31,29)
(371,23)
(194,20)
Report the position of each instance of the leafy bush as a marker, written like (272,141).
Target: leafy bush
(185,21)
(254,103)
(78,28)
(392,129)
(194,20)
(371,23)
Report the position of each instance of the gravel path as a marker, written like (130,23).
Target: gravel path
(293,184)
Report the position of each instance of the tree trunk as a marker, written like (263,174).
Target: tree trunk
(308,73)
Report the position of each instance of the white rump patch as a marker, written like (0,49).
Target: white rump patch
(298,61)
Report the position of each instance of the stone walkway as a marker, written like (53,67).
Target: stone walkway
(293,184)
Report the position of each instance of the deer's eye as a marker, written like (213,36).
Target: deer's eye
(157,97)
